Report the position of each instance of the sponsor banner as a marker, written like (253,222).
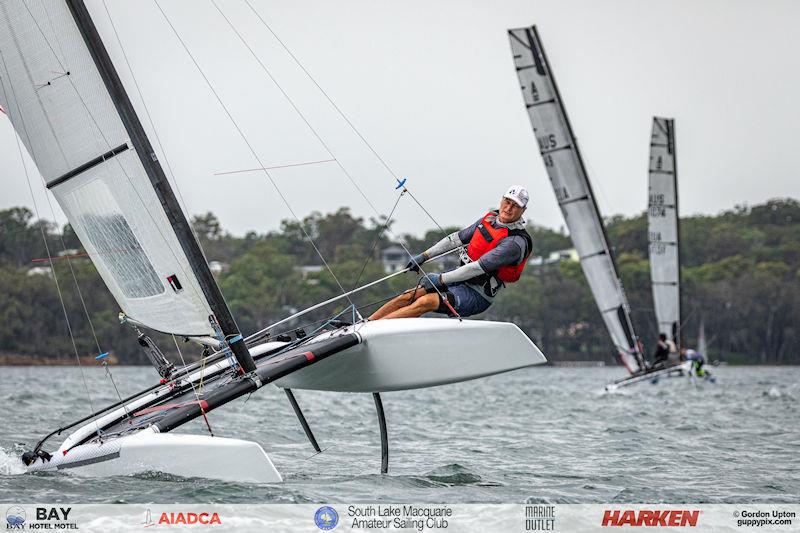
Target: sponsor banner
(401,518)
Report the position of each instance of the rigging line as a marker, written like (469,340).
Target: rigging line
(197,293)
(30,77)
(47,196)
(105,365)
(44,238)
(249,146)
(148,115)
(339,297)
(275,167)
(108,145)
(319,138)
(307,73)
(338,110)
(426,211)
(72,271)
(308,123)
(378,238)
(52,29)
(183,361)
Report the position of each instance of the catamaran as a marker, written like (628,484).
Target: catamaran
(663,237)
(562,159)
(73,113)
(663,231)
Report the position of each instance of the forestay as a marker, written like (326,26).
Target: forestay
(96,167)
(662,228)
(570,182)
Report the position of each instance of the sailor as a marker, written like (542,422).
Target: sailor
(661,354)
(673,350)
(697,359)
(498,247)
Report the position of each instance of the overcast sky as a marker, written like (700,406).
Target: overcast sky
(432,87)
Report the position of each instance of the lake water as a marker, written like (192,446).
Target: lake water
(549,435)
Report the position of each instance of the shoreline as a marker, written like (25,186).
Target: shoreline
(7,359)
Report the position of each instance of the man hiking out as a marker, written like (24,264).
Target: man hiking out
(498,247)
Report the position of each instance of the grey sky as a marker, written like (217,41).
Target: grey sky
(432,87)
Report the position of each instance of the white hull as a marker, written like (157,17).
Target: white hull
(412,353)
(182,455)
(393,355)
(682,370)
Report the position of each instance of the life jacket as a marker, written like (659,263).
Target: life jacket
(485,239)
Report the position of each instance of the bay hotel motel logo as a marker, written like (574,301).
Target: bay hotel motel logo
(45,518)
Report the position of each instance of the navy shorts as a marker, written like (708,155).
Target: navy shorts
(464,299)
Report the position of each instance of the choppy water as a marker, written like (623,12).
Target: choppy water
(537,435)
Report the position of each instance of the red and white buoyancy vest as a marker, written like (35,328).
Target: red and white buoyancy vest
(486,238)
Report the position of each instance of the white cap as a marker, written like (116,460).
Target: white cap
(517,194)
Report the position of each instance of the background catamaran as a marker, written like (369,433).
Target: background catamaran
(662,229)
(663,243)
(663,237)
(71,110)
(562,159)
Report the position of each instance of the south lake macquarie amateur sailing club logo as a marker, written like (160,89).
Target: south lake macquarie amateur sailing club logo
(326,518)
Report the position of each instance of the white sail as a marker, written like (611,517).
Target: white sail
(60,108)
(568,176)
(702,343)
(662,228)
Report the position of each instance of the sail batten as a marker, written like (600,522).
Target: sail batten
(559,150)
(662,228)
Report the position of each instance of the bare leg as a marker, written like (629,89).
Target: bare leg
(397,302)
(422,305)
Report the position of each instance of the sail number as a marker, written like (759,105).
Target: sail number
(656,246)
(534,92)
(656,206)
(547,142)
(561,193)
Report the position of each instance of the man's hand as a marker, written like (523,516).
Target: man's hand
(416,261)
(433,282)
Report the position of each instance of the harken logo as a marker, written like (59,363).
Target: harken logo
(651,518)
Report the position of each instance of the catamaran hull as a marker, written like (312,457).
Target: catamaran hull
(181,455)
(681,370)
(413,353)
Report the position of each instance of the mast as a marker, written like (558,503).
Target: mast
(673,145)
(565,167)
(663,229)
(161,186)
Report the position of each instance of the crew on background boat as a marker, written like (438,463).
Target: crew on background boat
(498,247)
(673,350)
(698,360)
(661,354)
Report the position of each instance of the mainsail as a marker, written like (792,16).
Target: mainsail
(69,107)
(662,228)
(565,167)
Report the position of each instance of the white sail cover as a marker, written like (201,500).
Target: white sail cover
(571,184)
(662,228)
(60,108)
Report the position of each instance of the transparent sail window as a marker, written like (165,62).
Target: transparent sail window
(116,246)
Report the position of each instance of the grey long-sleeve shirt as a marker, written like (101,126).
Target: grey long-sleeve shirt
(510,251)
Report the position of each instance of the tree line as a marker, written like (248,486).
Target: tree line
(740,276)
